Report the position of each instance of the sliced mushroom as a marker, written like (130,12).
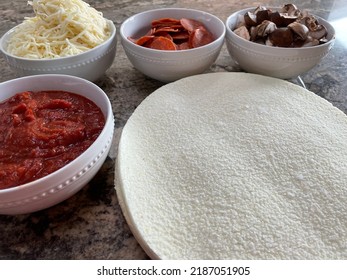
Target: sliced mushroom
(260,41)
(265,28)
(316,30)
(310,21)
(242,31)
(310,42)
(259,9)
(323,41)
(281,37)
(319,33)
(254,33)
(300,30)
(282,19)
(263,15)
(287,19)
(290,10)
(250,19)
(268,42)
(276,18)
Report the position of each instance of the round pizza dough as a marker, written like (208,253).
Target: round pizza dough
(235,166)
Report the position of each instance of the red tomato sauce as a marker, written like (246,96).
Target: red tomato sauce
(41,132)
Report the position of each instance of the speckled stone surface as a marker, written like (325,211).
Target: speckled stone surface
(90,225)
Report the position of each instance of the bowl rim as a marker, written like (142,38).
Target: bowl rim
(231,33)
(109,118)
(125,39)
(3,41)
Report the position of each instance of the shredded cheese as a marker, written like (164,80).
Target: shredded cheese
(60,28)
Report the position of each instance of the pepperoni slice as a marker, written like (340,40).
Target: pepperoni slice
(182,35)
(144,39)
(165,22)
(174,34)
(191,24)
(165,29)
(163,43)
(183,46)
(164,34)
(200,37)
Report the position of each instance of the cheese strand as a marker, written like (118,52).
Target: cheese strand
(60,28)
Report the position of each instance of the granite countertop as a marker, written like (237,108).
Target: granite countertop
(90,225)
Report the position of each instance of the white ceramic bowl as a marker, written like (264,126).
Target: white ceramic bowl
(167,66)
(90,65)
(66,181)
(272,61)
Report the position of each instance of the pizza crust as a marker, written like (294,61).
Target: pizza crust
(235,166)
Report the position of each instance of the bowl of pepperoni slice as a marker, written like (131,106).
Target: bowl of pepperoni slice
(172,43)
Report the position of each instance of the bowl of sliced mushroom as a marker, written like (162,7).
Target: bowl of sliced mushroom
(279,42)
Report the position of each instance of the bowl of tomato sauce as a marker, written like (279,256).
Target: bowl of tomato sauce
(55,134)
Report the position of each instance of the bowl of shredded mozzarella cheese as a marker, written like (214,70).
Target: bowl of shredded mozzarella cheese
(64,37)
